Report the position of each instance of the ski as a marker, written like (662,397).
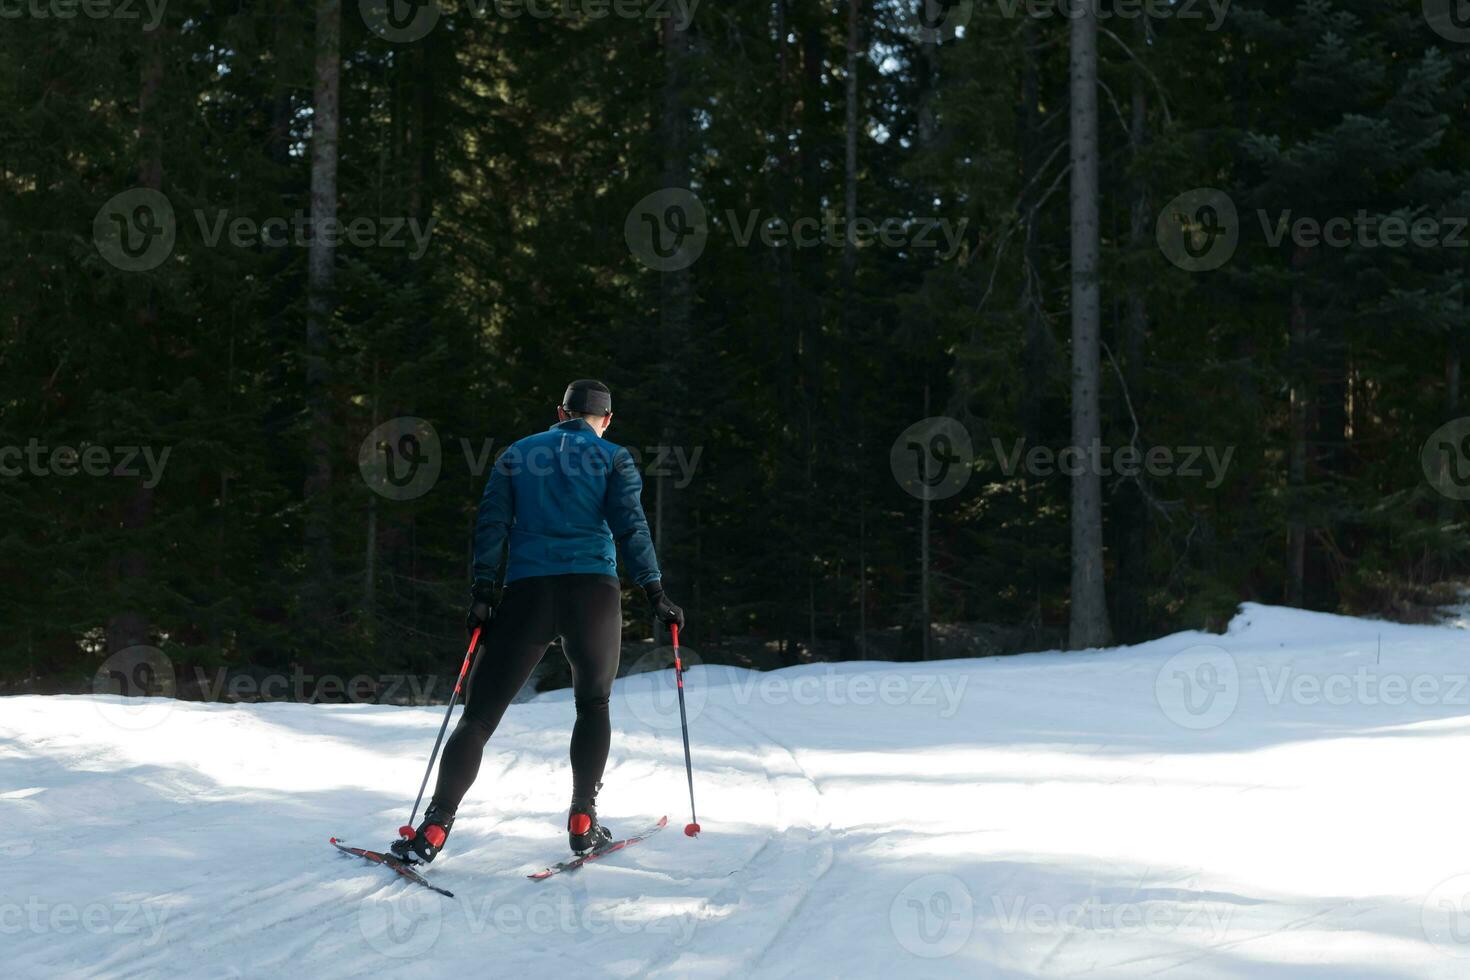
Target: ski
(398,865)
(616,845)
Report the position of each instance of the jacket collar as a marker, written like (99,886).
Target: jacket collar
(571,424)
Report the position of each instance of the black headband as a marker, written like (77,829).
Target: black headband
(586,401)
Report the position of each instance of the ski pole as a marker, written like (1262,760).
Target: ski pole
(692,829)
(407,830)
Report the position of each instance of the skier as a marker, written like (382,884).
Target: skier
(559,499)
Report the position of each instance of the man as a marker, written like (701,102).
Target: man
(559,499)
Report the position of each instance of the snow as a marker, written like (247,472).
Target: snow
(1283,800)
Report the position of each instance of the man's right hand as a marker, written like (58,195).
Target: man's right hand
(482,608)
(664,611)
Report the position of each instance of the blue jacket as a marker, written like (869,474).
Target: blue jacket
(561,498)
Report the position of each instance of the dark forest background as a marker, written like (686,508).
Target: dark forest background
(792,371)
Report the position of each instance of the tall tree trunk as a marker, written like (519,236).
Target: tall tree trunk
(1089,613)
(676,288)
(848,314)
(849,168)
(130,626)
(1298,413)
(1448,507)
(1037,356)
(1038,353)
(925,617)
(370,558)
(320,305)
(1131,516)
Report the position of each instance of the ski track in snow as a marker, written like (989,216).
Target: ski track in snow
(1051,815)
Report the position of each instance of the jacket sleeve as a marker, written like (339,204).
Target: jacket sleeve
(492,523)
(624,513)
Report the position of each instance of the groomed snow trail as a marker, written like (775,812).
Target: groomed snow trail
(1284,800)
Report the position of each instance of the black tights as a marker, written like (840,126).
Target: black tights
(586,612)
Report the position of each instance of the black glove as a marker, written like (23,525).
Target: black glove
(663,610)
(482,608)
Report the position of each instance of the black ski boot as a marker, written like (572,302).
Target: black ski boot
(425,843)
(583,831)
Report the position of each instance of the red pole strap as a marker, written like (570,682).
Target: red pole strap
(465,667)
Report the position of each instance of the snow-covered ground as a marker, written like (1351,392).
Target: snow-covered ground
(1288,799)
